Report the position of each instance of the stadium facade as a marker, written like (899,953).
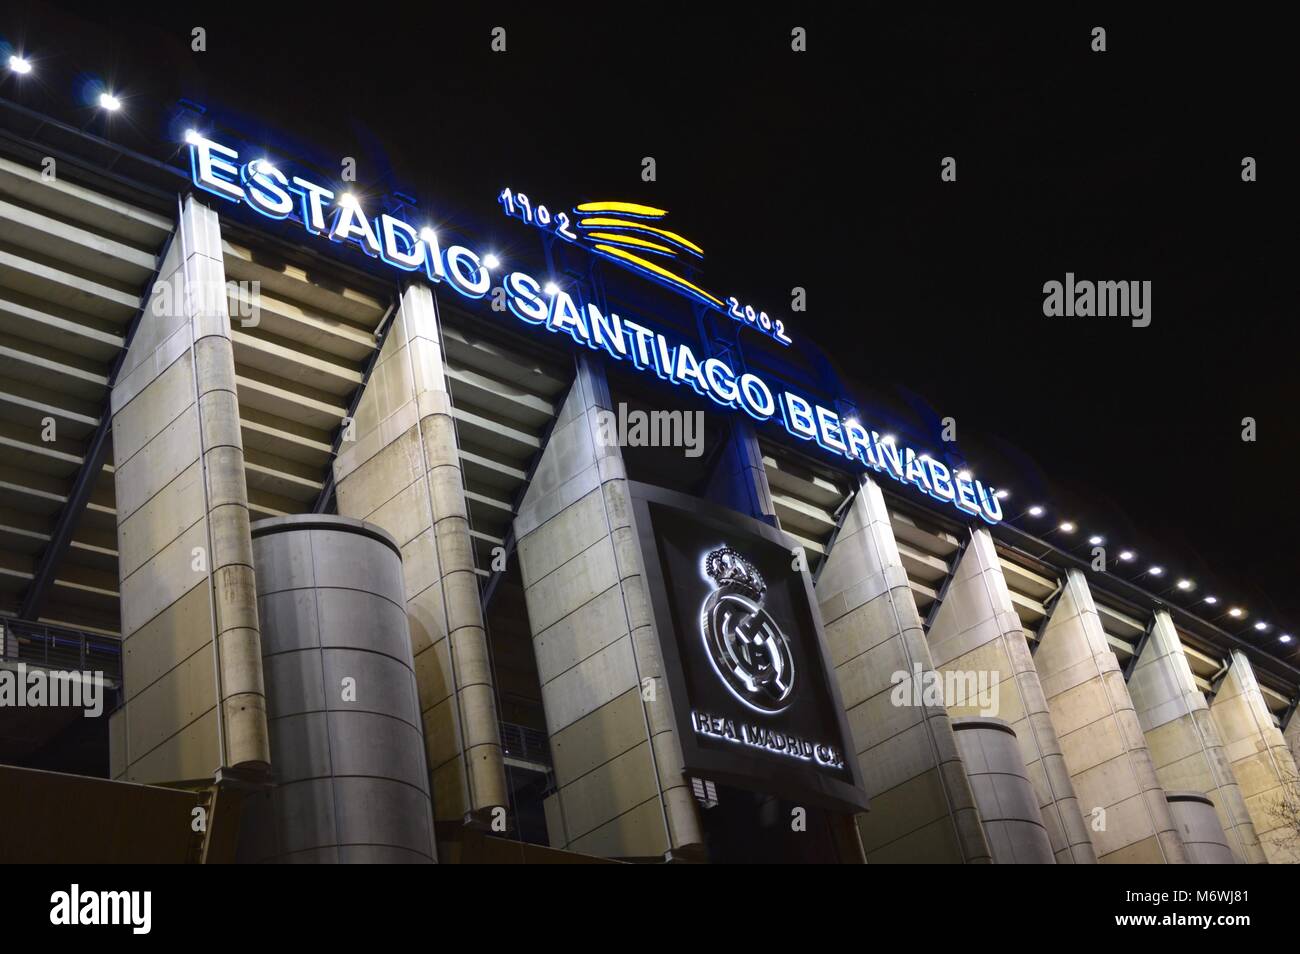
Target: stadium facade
(385,545)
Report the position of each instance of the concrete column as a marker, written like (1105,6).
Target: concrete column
(1101,737)
(402,472)
(1006,799)
(739,480)
(195,701)
(922,807)
(1259,757)
(1182,738)
(1292,736)
(977,637)
(618,762)
(351,786)
(1199,829)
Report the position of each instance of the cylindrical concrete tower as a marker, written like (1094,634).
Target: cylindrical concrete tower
(346,744)
(1198,824)
(1003,794)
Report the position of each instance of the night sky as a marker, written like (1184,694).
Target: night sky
(821,169)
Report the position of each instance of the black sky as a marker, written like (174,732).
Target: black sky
(821,169)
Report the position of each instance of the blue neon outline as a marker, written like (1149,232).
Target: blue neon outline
(695,381)
(454,278)
(630,215)
(630,329)
(660,343)
(628,245)
(713,391)
(866,453)
(194,170)
(568,327)
(843,449)
(935,478)
(636,231)
(891,457)
(788,413)
(417,244)
(614,323)
(298,186)
(514,293)
(988,496)
(743,395)
(250,183)
(632,266)
(974,508)
(360,216)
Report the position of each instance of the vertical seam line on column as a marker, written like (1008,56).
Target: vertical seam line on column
(627,615)
(494,683)
(1188,698)
(1259,729)
(207,501)
(1033,730)
(442,586)
(1105,690)
(911,667)
(329,745)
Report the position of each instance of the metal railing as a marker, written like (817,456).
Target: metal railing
(525,743)
(53,647)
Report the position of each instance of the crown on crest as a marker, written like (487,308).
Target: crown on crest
(726,567)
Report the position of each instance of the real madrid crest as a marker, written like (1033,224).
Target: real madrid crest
(748,649)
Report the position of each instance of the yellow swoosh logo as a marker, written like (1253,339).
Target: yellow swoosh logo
(608,222)
(657,270)
(629,208)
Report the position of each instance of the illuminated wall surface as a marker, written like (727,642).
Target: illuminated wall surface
(809,641)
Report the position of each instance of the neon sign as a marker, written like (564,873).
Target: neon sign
(626,233)
(339,217)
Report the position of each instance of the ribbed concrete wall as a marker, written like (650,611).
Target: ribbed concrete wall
(922,807)
(402,473)
(1101,737)
(1007,804)
(618,764)
(351,785)
(1260,758)
(1182,738)
(191,651)
(976,633)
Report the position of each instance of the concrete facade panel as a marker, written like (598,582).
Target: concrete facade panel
(1101,737)
(978,635)
(923,808)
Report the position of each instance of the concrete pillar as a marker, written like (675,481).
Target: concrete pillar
(1260,759)
(977,637)
(1292,735)
(1101,737)
(351,784)
(739,480)
(195,702)
(1007,803)
(403,473)
(618,762)
(1199,829)
(1182,738)
(922,807)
